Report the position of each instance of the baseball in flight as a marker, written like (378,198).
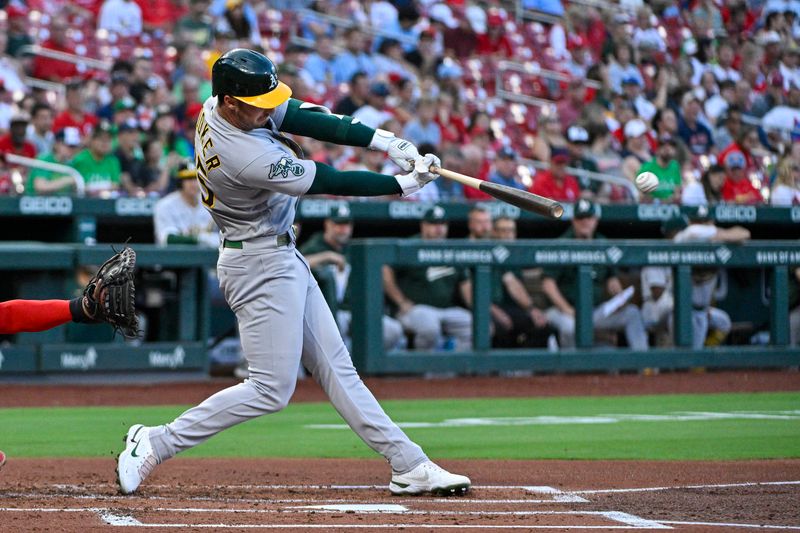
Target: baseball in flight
(646,182)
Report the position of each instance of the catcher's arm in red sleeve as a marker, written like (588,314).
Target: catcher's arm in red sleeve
(17,316)
(109,297)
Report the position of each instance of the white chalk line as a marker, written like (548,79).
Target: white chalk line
(381,526)
(318,510)
(117,518)
(612,418)
(74,486)
(558,495)
(629,521)
(726,524)
(681,487)
(528,488)
(117,497)
(535,489)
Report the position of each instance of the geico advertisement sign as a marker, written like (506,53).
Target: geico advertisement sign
(45,205)
(320,208)
(735,213)
(134,206)
(657,211)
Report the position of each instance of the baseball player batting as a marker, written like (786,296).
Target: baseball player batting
(251,177)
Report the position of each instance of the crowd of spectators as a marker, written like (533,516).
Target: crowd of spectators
(540,95)
(703,93)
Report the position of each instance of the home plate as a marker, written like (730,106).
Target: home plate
(358,508)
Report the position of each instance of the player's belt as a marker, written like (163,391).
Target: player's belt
(284,239)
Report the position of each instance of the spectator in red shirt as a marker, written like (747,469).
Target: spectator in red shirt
(555,183)
(160,15)
(14,143)
(745,142)
(494,41)
(55,69)
(452,123)
(737,187)
(569,109)
(475,161)
(461,40)
(74,115)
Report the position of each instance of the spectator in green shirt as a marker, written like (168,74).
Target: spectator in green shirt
(66,144)
(196,26)
(666,167)
(100,168)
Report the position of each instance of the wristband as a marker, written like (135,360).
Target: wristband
(381,140)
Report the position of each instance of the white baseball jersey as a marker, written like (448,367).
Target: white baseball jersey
(250,179)
(696,233)
(173,216)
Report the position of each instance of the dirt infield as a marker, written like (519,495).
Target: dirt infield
(27,395)
(341,495)
(344,495)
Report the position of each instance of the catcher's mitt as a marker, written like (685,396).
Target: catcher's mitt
(109,295)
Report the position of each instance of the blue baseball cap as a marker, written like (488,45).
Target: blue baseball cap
(735,160)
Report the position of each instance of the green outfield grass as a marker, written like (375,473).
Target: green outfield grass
(685,427)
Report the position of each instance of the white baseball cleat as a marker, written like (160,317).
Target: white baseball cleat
(429,477)
(137,460)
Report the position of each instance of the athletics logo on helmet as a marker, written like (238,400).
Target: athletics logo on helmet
(250,77)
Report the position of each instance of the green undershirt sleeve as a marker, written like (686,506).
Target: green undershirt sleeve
(181,239)
(328,180)
(311,121)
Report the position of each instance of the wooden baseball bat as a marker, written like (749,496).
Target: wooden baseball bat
(522,199)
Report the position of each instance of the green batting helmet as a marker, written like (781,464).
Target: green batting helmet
(250,77)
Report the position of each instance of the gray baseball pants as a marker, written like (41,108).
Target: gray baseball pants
(628,318)
(283,320)
(393,337)
(705,319)
(428,324)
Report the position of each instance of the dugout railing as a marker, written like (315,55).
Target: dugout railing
(369,255)
(45,271)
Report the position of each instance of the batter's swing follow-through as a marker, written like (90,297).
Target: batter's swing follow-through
(251,177)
